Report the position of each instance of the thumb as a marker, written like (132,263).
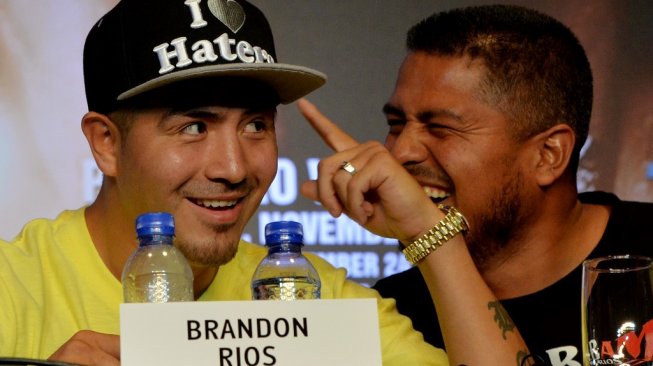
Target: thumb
(308,189)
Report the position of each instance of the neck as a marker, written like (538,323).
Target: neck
(113,234)
(553,244)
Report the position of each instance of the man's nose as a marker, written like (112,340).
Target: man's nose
(225,158)
(408,146)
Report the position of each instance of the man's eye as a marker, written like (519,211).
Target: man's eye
(194,128)
(395,126)
(255,126)
(437,127)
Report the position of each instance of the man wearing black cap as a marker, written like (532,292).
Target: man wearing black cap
(182,100)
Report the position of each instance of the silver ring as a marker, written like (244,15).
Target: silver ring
(348,167)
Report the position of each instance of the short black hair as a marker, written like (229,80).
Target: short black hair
(537,72)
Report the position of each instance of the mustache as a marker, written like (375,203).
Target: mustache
(419,171)
(216,188)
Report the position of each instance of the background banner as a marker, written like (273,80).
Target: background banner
(46,167)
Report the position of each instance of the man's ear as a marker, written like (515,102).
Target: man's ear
(555,147)
(103,138)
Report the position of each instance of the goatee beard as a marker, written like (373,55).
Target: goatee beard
(211,251)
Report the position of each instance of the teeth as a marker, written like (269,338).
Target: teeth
(436,193)
(216,204)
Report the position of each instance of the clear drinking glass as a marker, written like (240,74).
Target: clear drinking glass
(617,311)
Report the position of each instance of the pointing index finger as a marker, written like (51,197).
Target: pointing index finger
(333,136)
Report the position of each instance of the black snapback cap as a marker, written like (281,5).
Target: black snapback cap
(142,45)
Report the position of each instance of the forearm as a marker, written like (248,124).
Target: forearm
(475,328)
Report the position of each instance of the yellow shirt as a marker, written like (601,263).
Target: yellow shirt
(53,283)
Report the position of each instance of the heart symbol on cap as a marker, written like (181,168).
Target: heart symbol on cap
(229,12)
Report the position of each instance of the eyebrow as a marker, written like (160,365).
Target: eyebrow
(422,116)
(205,113)
(390,109)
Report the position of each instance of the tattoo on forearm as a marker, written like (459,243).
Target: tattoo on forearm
(501,317)
(526,359)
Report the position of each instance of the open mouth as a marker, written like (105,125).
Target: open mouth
(215,204)
(436,195)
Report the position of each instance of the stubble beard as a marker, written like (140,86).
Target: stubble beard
(489,239)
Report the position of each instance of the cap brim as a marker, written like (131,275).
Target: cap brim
(290,82)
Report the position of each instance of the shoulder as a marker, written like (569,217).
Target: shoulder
(42,233)
(35,252)
(598,198)
(64,222)
(46,246)
(622,213)
(612,200)
(627,229)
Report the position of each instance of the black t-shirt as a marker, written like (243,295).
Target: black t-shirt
(548,320)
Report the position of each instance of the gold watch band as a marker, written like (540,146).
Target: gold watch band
(453,223)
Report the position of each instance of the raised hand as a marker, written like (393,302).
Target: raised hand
(377,192)
(374,190)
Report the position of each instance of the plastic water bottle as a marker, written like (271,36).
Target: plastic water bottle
(157,271)
(285,273)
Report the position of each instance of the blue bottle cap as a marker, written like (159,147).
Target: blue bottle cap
(155,223)
(283,231)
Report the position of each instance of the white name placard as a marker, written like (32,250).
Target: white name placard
(251,333)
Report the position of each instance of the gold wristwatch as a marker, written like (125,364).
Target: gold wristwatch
(453,223)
